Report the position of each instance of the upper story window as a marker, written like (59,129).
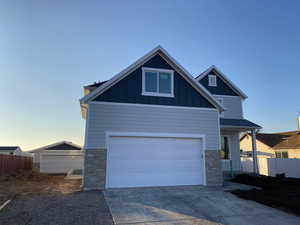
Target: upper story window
(212,80)
(158,82)
(281,154)
(221,101)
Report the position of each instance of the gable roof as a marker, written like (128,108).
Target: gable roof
(224,78)
(162,52)
(283,140)
(8,148)
(62,145)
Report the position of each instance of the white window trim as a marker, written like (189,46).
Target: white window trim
(281,155)
(222,115)
(145,93)
(229,146)
(211,84)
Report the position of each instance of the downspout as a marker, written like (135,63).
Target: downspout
(254,152)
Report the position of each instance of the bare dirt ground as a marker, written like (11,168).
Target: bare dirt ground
(39,199)
(282,193)
(33,183)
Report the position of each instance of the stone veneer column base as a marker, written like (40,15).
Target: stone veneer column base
(214,174)
(94,172)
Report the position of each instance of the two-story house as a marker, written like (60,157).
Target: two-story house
(154,124)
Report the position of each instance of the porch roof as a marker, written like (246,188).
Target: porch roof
(238,124)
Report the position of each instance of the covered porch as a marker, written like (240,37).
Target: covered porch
(230,130)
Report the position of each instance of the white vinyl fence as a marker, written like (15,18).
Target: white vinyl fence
(60,161)
(273,166)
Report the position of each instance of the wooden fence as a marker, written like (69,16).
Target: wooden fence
(12,163)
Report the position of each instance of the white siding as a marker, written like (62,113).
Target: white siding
(36,157)
(233,106)
(131,118)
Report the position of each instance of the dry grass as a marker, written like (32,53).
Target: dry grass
(33,183)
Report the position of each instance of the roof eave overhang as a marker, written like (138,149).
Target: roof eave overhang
(241,127)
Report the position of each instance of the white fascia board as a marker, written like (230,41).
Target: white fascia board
(184,73)
(224,78)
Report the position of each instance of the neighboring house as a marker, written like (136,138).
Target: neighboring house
(273,145)
(154,124)
(60,157)
(10,150)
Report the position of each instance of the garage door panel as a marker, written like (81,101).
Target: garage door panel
(162,180)
(154,161)
(161,149)
(159,166)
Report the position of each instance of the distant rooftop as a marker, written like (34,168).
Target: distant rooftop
(95,84)
(287,140)
(8,148)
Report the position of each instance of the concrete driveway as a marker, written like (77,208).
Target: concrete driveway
(189,205)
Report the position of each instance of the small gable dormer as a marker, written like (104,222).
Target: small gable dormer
(218,84)
(224,91)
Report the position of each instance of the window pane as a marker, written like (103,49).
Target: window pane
(165,83)
(224,147)
(278,154)
(285,155)
(212,80)
(150,82)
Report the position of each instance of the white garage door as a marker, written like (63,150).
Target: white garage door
(154,161)
(60,163)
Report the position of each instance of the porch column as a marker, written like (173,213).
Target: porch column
(254,153)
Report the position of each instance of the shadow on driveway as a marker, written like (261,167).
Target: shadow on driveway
(184,205)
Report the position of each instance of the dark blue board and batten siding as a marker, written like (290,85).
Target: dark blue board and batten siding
(221,89)
(129,89)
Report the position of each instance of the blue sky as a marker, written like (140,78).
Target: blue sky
(50,49)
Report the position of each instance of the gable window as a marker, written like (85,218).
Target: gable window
(212,80)
(158,82)
(284,155)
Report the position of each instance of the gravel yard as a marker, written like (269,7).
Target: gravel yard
(77,208)
(43,200)
(33,183)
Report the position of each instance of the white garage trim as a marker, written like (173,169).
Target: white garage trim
(158,135)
